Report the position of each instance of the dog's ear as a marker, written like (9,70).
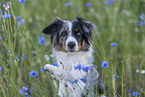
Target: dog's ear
(88,27)
(53,27)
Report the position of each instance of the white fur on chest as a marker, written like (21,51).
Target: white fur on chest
(71,59)
(67,61)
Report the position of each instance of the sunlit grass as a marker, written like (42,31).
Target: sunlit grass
(115,23)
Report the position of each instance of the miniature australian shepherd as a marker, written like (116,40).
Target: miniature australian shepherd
(71,43)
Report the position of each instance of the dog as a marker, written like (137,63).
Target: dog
(71,43)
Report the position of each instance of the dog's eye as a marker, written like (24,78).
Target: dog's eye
(64,34)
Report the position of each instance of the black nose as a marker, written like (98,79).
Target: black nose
(71,45)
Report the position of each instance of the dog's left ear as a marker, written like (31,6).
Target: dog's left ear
(88,27)
(53,27)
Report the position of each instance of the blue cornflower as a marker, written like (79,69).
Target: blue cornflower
(135,93)
(9,53)
(79,66)
(22,1)
(141,16)
(32,90)
(23,57)
(142,23)
(75,81)
(129,91)
(41,40)
(33,73)
(42,69)
(21,22)
(16,59)
(86,68)
(89,4)
(113,44)
(23,90)
(138,22)
(83,79)
(6,16)
(6,5)
(1,68)
(109,2)
(68,4)
(76,9)
(54,64)
(10,85)
(104,64)
(17,18)
(0,38)
(115,77)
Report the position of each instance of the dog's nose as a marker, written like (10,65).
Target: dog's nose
(71,45)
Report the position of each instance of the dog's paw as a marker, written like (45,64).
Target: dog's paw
(50,68)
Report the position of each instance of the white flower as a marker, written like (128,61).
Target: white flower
(46,57)
(137,70)
(52,55)
(142,71)
(103,95)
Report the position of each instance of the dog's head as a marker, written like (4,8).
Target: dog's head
(70,36)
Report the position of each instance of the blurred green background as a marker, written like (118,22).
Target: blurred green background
(117,22)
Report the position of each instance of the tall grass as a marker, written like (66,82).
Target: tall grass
(115,23)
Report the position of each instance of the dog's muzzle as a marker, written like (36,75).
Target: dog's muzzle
(71,46)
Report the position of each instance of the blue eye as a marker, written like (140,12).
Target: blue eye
(64,34)
(78,34)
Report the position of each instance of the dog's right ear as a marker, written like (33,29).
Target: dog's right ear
(53,27)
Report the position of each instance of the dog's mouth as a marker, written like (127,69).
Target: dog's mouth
(71,50)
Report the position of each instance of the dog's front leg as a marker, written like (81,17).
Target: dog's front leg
(60,74)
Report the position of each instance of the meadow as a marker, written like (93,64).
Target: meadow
(23,47)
